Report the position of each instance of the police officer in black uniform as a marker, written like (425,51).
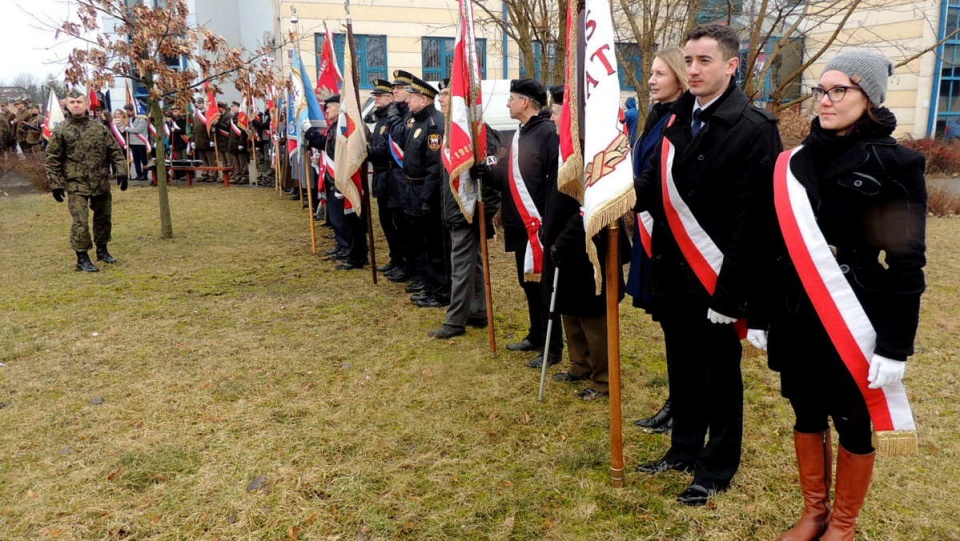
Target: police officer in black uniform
(386,177)
(423,170)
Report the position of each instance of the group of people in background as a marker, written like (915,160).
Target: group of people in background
(714,258)
(21,126)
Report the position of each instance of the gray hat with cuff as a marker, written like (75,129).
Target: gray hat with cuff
(870,70)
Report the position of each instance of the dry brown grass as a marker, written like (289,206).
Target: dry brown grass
(232,352)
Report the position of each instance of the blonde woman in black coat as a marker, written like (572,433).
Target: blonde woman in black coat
(842,308)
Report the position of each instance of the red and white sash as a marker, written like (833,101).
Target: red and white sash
(645,226)
(701,253)
(836,303)
(143,137)
(533,260)
(118,136)
(235,128)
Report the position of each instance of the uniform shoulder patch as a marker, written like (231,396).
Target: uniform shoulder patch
(433,141)
(410,122)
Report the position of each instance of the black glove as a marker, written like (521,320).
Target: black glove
(58,194)
(555,255)
(122,182)
(479,171)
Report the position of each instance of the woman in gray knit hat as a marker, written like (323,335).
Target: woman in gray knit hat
(846,275)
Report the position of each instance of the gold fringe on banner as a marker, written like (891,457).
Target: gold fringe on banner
(896,442)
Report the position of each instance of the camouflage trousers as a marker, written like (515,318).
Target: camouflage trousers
(102,207)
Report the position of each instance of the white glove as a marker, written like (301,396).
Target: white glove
(758,338)
(338,195)
(211,144)
(884,371)
(718,318)
(239,147)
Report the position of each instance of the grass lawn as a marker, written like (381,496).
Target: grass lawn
(229,384)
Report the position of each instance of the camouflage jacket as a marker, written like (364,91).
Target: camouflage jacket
(83,157)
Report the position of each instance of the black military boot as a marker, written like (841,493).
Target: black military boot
(104,255)
(84,264)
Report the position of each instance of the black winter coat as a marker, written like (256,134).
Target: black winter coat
(539,149)
(869,196)
(388,181)
(722,175)
(450,210)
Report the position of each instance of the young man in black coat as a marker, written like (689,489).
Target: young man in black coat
(720,153)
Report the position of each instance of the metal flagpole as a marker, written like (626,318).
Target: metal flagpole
(546,344)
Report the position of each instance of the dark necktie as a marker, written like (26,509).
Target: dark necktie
(697,124)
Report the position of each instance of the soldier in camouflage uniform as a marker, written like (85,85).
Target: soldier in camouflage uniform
(82,156)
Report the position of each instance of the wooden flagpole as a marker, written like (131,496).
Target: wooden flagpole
(364,187)
(613,353)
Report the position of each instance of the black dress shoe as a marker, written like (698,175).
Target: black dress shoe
(423,295)
(386,268)
(346,265)
(415,287)
(432,302)
(569,378)
(696,495)
(332,251)
(524,345)
(398,278)
(537,362)
(661,429)
(663,465)
(658,418)
(447,331)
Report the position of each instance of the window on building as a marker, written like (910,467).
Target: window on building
(629,62)
(371,54)
(718,10)
(946,123)
(438,57)
(544,64)
(787,61)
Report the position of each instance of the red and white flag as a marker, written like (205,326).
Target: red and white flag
(328,74)
(570,170)
(608,191)
(466,135)
(213,110)
(351,150)
(53,116)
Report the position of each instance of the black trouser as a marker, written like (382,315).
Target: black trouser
(538,311)
(391,230)
(427,237)
(357,232)
(706,392)
(139,154)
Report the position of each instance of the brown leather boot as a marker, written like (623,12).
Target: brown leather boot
(814,460)
(853,480)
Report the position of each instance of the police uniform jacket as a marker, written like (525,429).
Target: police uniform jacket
(869,197)
(80,155)
(721,174)
(450,210)
(423,168)
(539,147)
(388,180)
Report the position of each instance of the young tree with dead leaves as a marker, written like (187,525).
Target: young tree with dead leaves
(148,45)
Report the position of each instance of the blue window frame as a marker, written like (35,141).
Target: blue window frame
(371,52)
(946,90)
(541,58)
(438,57)
(629,57)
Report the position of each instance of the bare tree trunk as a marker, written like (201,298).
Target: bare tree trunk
(166,224)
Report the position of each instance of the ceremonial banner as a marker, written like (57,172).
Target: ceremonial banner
(608,173)
(306,100)
(53,116)
(466,135)
(328,74)
(213,110)
(293,128)
(570,170)
(351,148)
(838,307)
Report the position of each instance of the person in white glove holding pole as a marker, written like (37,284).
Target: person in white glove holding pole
(846,274)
